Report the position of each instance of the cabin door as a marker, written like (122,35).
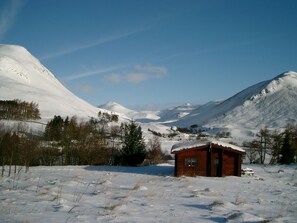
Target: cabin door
(217,167)
(216,164)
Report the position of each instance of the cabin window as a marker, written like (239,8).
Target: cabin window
(191,162)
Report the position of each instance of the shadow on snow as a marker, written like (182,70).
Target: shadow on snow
(157,170)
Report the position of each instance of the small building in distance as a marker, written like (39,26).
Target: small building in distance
(207,158)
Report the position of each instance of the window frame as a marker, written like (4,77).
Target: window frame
(191,162)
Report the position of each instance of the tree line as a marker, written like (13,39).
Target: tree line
(18,110)
(273,146)
(72,142)
(94,142)
(17,149)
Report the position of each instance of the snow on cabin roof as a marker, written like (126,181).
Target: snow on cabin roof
(193,144)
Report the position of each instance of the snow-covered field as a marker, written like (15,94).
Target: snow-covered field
(147,194)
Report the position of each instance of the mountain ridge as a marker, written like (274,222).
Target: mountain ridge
(271,103)
(129,113)
(23,77)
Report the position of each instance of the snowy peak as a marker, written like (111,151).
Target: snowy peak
(9,65)
(287,74)
(117,108)
(16,52)
(283,80)
(128,113)
(23,77)
(18,62)
(271,103)
(175,113)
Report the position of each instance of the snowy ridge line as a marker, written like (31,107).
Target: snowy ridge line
(28,80)
(128,113)
(270,103)
(276,83)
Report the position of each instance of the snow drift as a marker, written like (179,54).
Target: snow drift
(147,194)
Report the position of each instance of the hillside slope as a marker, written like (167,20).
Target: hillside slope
(271,103)
(128,113)
(176,113)
(23,77)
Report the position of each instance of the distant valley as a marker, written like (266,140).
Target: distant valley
(271,103)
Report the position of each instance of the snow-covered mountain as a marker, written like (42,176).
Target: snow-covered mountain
(271,103)
(175,113)
(128,113)
(23,77)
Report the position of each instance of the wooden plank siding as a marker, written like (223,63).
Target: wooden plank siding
(210,160)
(200,169)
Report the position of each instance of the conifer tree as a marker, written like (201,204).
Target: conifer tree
(54,128)
(133,151)
(287,151)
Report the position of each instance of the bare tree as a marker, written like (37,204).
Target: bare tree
(3,148)
(251,150)
(264,143)
(276,145)
(155,154)
(28,151)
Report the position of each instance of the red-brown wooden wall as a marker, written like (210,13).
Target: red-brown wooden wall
(229,162)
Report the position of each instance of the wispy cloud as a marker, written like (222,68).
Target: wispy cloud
(93,72)
(112,78)
(139,74)
(136,78)
(159,71)
(8,15)
(92,44)
(85,88)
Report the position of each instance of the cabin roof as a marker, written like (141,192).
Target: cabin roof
(202,143)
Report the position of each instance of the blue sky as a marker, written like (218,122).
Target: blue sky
(152,53)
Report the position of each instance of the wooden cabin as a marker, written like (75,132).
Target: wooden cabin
(207,158)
